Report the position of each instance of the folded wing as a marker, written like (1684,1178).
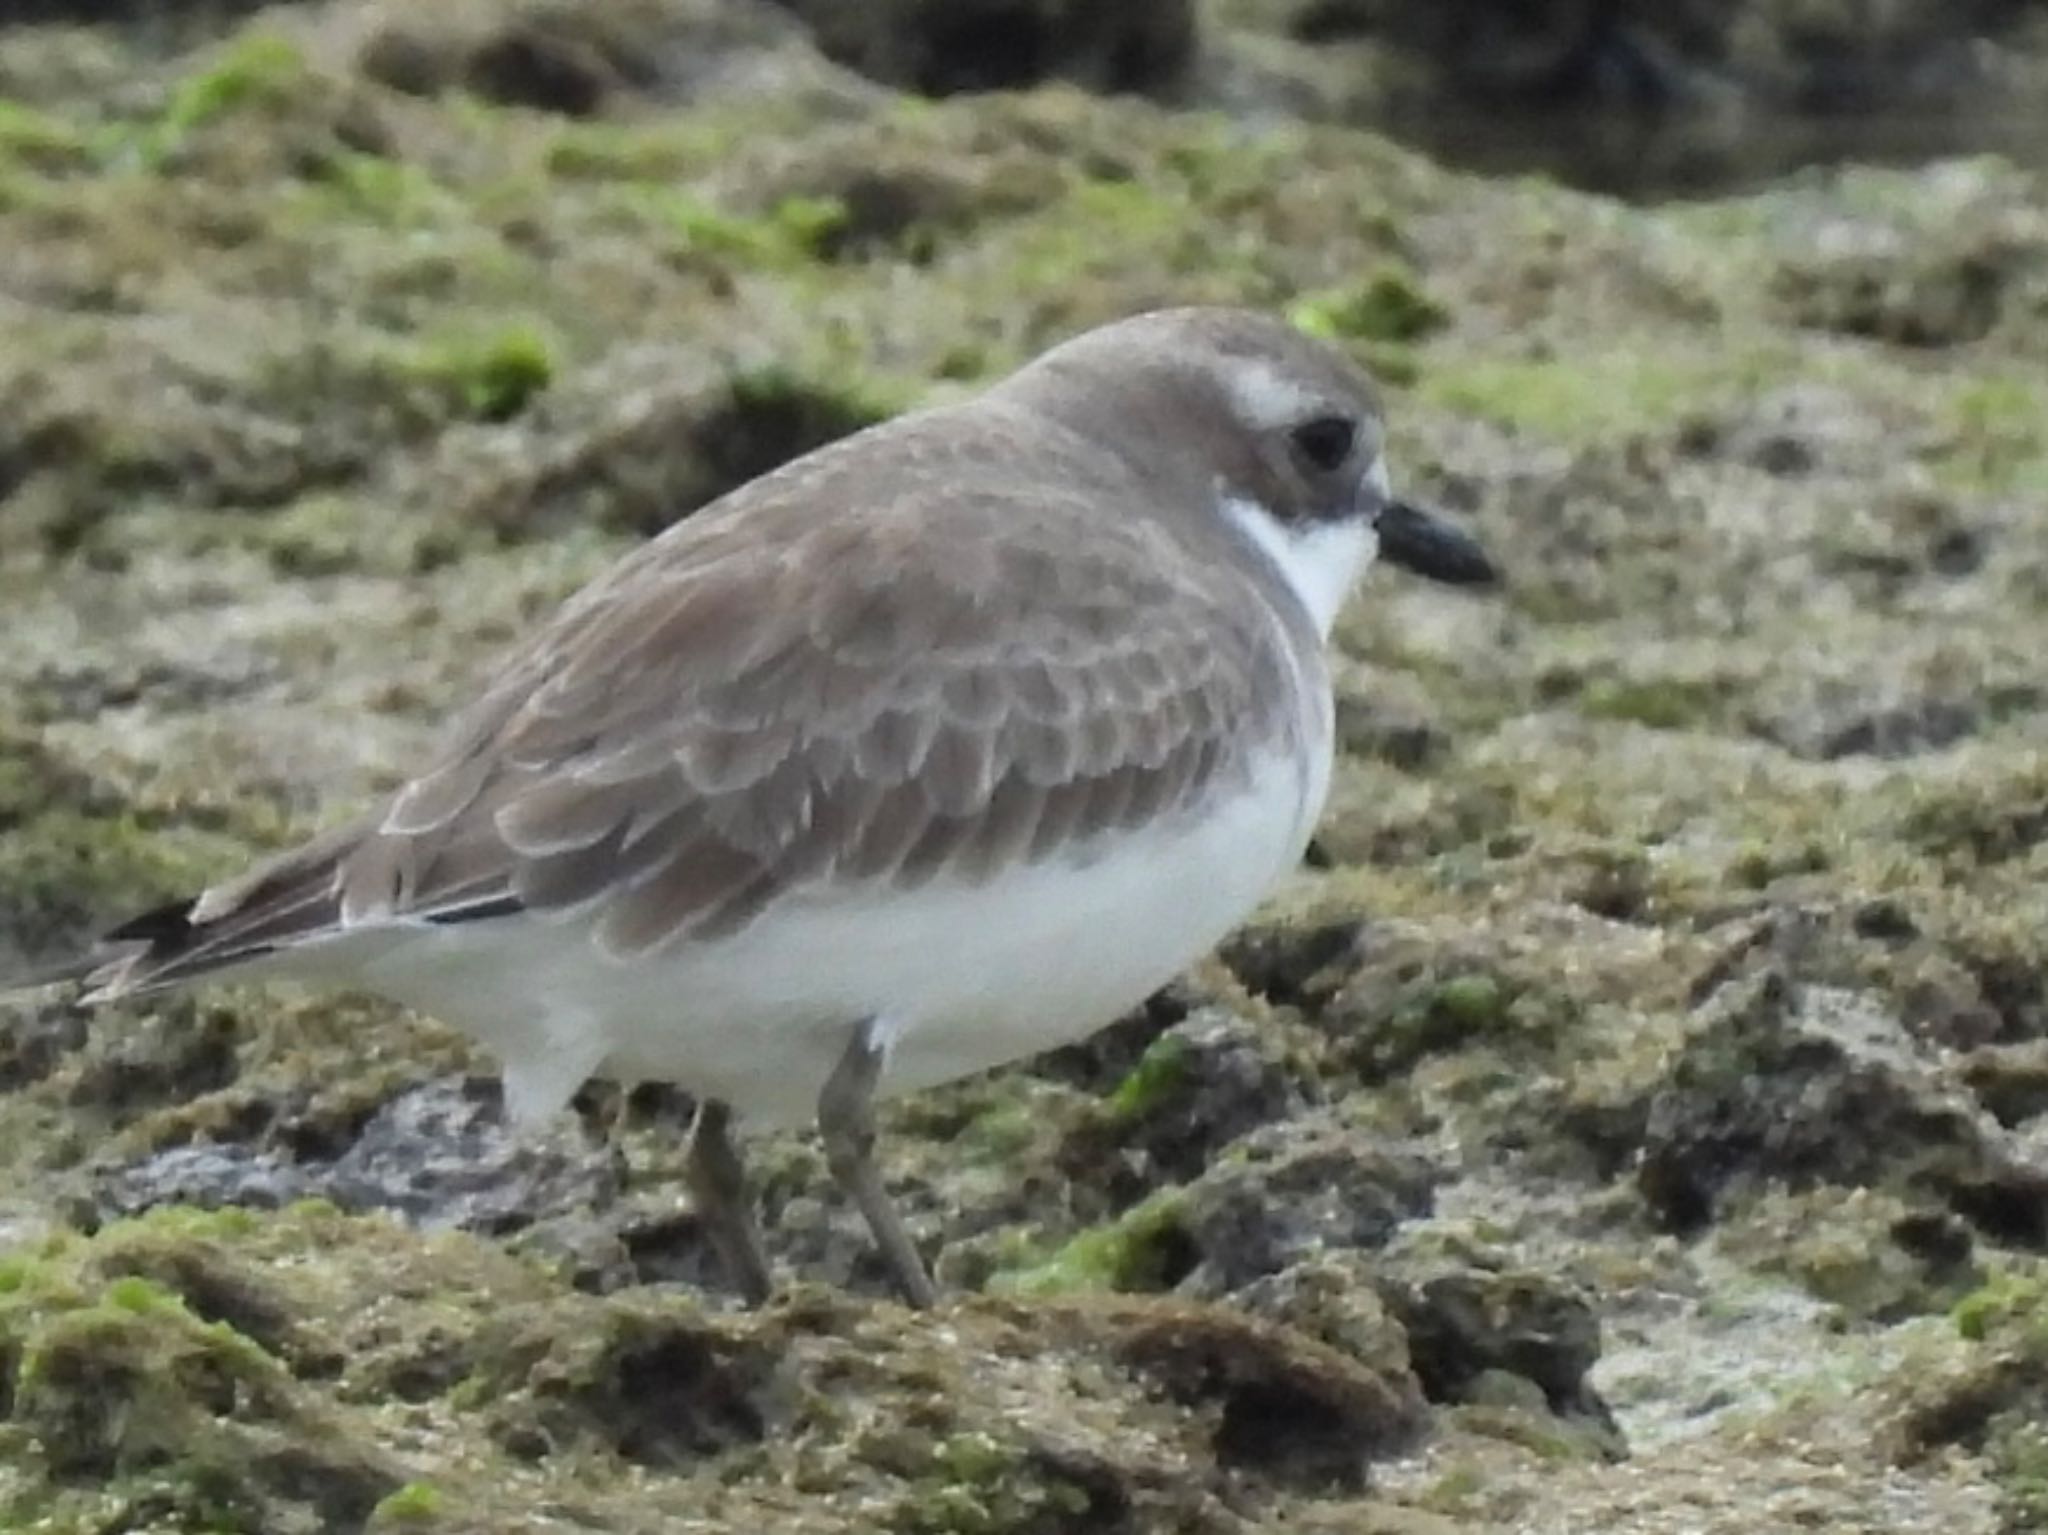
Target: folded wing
(768,702)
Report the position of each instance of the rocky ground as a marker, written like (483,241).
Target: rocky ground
(1636,1120)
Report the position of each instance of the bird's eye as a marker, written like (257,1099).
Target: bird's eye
(1325,442)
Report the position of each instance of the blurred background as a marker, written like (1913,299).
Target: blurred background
(1628,96)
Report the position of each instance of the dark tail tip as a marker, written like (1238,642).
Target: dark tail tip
(156,935)
(168,926)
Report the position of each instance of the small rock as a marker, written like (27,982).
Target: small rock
(1296,964)
(659,1387)
(1828,721)
(209,1176)
(1199,1086)
(442,1155)
(1796,1085)
(1333,1297)
(578,60)
(635,443)
(1796,429)
(36,1036)
(1390,718)
(1143,46)
(1884,920)
(1892,286)
(1291,1191)
(2011,1080)
(1286,1408)
(1468,1325)
(1409,1000)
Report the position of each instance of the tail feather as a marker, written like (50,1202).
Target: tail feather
(351,876)
(166,947)
(284,901)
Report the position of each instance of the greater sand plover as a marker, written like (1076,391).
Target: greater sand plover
(931,750)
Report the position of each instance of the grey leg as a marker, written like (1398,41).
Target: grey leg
(615,1123)
(846,1120)
(719,1183)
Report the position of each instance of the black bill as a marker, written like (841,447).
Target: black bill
(1424,543)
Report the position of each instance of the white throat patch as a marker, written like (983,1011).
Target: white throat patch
(1321,561)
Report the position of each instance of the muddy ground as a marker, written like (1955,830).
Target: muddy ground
(1636,1120)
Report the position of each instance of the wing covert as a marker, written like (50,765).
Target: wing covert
(851,703)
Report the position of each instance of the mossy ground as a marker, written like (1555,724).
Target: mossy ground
(317,389)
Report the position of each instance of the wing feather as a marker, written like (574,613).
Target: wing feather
(771,700)
(885,718)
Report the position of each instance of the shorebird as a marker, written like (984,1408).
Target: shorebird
(933,749)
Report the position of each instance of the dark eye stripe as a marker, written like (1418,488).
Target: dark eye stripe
(1326,441)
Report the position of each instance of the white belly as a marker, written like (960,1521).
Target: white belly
(962,977)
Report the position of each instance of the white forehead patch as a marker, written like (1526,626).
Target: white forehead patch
(1264,396)
(1268,398)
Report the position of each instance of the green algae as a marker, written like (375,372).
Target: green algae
(1158,1077)
(414,1503)
(2010,1302)
(1064,247)
(168,1363)
(1990,1401)
(1854,1250)
(68,872)
(1759,865)
(256,69)
(40,143)
(796,231)
(1439,1015)
(488,377)
(121,1391)
(133,1293)
(1991,819)
(393,194)
(1135,1252)
(978,1485)
(1661,703)
(75,856)
(669,150)
(1469,1003)
(653,152)
(1000,1132)
(1991,433)
(1387,306)
(1600,394)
